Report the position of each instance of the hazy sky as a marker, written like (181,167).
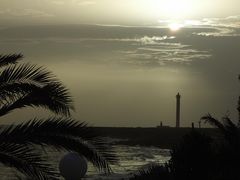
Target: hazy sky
(126,75)
(137,12)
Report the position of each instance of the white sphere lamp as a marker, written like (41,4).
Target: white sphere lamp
(73,166)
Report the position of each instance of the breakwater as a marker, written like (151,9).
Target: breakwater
(159,137)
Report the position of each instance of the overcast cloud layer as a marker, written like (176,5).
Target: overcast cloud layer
(129,76)
(122,63)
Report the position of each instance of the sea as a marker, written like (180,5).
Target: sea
(131,159)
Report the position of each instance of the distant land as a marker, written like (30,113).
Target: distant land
(165,137)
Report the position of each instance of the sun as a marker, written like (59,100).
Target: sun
(175,26)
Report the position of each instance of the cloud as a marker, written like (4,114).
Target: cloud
(19,41)
(24,12)
(143,51)
(84,3)
(145,40)
(227,26)
(131,46)
(154,39)
(219,32)
(162,51)
(73,2)
(164,54)
(58,2)
(230,21)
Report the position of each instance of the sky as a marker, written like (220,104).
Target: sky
(125,61)
(128,12)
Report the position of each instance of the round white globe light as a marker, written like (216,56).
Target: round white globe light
(73,166)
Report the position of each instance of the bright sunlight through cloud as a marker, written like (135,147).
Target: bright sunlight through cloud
(175,26)
(170,9)
(177,8)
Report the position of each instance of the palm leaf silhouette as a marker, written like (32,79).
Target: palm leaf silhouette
(10,59)
(52,96)
(25,160)
(63,134)
(26,73)
(214,122)
(228,129)
(26,85)
(29,85)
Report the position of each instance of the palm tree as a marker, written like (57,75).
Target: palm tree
(25,85)
(238,107)
(153,171)
(227,147)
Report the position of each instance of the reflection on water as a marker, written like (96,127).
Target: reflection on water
(131,159)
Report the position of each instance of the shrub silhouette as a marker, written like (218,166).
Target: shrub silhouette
(193,158)
(199,156)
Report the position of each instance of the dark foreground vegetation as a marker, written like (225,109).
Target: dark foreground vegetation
(26,85)
(200,157)
(196,154)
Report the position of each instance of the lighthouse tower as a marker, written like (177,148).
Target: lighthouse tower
(178,97)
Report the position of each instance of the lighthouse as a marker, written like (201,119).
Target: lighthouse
(178,97)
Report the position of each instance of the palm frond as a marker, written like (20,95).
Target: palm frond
(228,124)
(63,134)
(13,92)
(26,161)
(228,129)
(214,122)
(232,133)
(18,80)
(10,59)
(25,73)
(54,97)
(238,109)
(153,171)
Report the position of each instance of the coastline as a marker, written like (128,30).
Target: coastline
(161,137)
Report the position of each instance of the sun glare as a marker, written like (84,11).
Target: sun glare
(176,8)
(175,26)
(168,9)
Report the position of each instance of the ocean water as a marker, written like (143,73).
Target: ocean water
(131,159)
